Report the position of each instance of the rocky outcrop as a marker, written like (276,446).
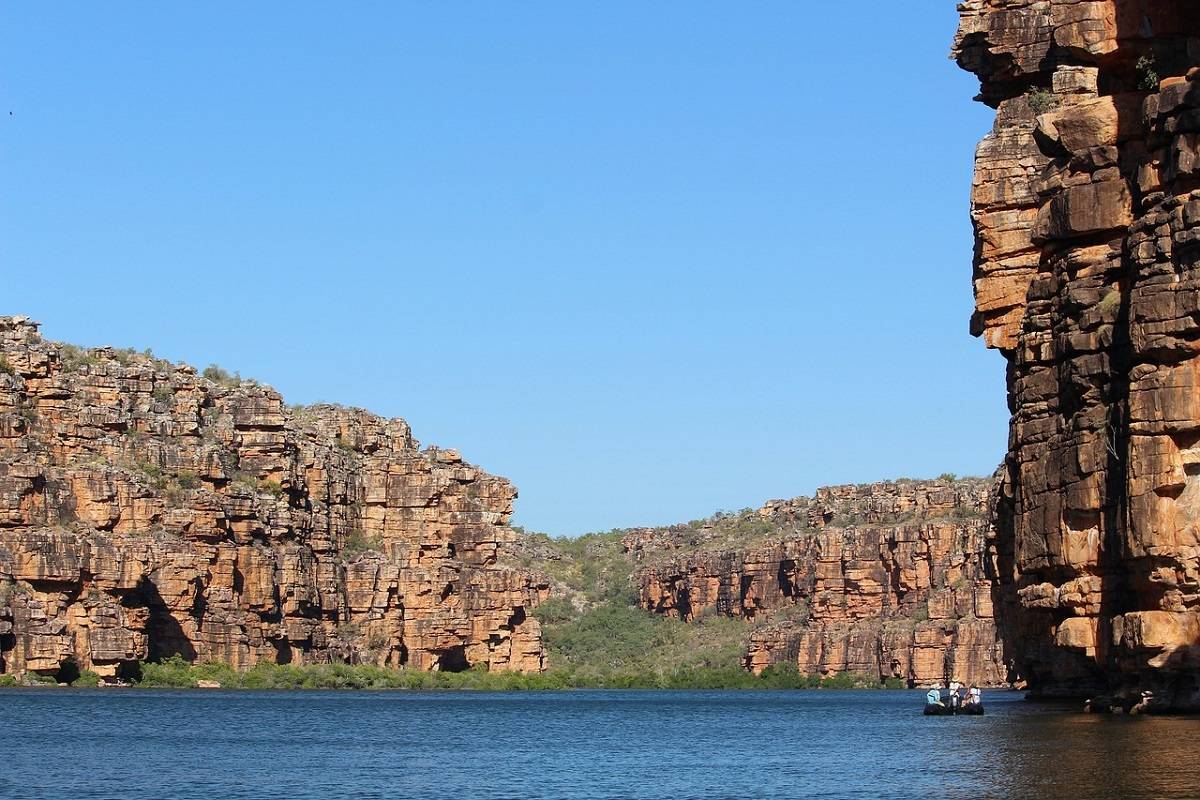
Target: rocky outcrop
(147,510)
(887,580)
(1086,208)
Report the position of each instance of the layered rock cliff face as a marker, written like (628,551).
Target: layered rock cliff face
(1086,207)
(888,580)
(147,511)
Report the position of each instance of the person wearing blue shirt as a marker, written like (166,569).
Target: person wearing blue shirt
(934,696)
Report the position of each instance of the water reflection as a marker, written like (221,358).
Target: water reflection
(1044,751)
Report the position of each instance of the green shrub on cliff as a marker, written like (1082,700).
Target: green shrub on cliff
(222,376)
(359,541)
(124,356)
(73,358)
(1040,100)
(1147,71)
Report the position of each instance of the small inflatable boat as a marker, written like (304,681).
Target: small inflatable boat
(935,710)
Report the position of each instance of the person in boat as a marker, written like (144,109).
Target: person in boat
(974,696)
(955,698)
(934,696)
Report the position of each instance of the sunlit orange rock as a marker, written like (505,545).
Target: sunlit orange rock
(1086,207)
(886,580)
(146,510)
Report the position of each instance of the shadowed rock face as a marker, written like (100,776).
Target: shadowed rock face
(886,580)
(147,511)
(1086,208)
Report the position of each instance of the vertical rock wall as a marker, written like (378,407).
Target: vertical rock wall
(886,580)
(148,511)
(1086,208)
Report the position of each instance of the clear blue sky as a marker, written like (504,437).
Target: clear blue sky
(647,260)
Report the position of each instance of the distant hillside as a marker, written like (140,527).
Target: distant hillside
(877,583)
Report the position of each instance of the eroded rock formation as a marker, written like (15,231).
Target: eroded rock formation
(1086,208)
(882,580)
(146,511)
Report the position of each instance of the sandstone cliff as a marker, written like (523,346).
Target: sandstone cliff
(1086,208)
(886,580)
(147,510)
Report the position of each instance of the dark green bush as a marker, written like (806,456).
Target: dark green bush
(177,673)
(87,679)
(73,358)
(359,541)
(1147,71)
(555,611)
(219,375)
(1040,100)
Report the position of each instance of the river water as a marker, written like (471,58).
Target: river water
(133,743)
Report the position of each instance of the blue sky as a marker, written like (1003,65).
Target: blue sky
(646,260)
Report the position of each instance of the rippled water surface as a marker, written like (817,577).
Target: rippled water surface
(302,745)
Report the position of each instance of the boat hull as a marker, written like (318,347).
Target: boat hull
(934,710)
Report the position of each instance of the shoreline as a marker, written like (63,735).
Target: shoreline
(138,688)
(178,674)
